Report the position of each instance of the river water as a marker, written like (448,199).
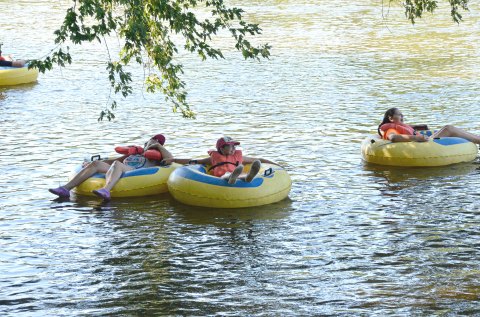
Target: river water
(352,239)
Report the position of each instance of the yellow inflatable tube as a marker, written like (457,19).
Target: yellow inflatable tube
(141,182)
(435,152)
(192,185)
(10,76)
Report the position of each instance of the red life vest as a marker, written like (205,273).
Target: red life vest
(129,150)
(222,164)
(153,155)
(400,128)
(2,58)
(136,149)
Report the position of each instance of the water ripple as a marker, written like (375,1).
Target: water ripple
(352,239)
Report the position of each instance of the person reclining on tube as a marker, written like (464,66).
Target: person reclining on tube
(227,161)
(9,62)
(392,128)
(115,168)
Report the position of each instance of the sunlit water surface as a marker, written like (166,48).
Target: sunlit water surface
(352,239)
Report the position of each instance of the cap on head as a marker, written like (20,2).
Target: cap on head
(160,138)
(226,140)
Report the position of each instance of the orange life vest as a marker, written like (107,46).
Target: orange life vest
(136,149)
(398,128)
(129,150)
(153,155)
(222,164)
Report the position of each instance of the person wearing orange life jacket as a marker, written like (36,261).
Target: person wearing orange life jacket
(114,168)
(394,129)
(227,161)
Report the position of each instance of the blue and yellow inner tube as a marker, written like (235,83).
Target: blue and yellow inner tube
(435,152)
(141,182)
(192,185)
(10,76)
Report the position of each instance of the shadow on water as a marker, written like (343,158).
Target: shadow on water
(149,204)
(203,215)
(165,203)
(397,174)
(417,192)
(166,250)
(14,88)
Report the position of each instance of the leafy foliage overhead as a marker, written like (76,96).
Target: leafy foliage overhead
(147,29)
(414,9)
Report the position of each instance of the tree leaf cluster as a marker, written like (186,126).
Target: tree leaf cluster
(414,9)
(149,32)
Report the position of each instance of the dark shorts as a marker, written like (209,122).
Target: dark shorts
(6,63)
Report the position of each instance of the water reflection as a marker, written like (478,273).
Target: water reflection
(394,175)
(199,215)
(158,244)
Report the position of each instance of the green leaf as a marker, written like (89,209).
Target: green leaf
(145,28)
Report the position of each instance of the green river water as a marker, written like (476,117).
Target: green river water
(351,240)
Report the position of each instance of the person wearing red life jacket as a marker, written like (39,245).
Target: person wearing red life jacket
(114,168)
(227,161)
(394,129)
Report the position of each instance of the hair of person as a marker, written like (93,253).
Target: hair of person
(389,113)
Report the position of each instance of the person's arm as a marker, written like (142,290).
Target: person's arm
(420,127)
(166,155)
(249,160)
(407,138)
(188,161)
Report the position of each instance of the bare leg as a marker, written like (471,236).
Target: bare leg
(114,174)
(450,130)
(84,174)
(18,63)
